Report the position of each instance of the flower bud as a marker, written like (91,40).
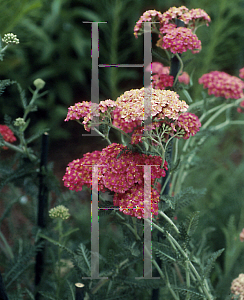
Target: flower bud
(39,83)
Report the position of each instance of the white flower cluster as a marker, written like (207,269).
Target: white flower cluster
(60,212)
(10,38)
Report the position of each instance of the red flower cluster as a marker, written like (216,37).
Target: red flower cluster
(7,135)
(79,171)
(190,123)
(120,171)
(221,84)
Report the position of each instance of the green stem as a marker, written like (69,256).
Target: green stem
(100,133)
(7,247)
(169,220)
(32,157)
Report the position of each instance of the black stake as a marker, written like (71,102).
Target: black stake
(79,291)
(42,209)
(3,295)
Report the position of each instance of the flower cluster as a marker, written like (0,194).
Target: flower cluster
(78,172)
(7,135)
(10,38)
(180,40)
(241,73)
(87,111)
(237,286)
(195,18)
(131,109)
(240,109)
(242,235)
(189,123)
(119,170)
(161,78)
(148,16)
(173,36)
(174,13)
(221,84)
(59,212)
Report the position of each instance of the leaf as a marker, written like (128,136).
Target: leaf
(164,257)
(187,196)
(187,95)
(192,222)
(4,83)
(167,202)
(193,294)
(211,261)
(56,243)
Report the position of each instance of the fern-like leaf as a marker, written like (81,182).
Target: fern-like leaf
(211,261)
(192,222)
(187,196)
(193,294)
(4,83)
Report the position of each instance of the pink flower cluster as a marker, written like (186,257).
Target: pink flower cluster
(7,135)
(195,17)
(161,78)
(173,13)
(171,37)
(242,235)
(190,123)
(221,84)
(180,40)
(148,16)
(241,73)
(120,171)
(240,109)
(88,110)
(130,107)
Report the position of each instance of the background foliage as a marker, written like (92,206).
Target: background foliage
(55,45)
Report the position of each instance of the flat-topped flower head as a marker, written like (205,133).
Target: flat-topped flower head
(59,212)
(7,135)
(173,13)
(237,286)
(10,38)
(189,123)
(78,111)
(195,18)
(132,202)
(121,169)
(148,16)
(221,84)
(180,40)
(79,171)
(130,111)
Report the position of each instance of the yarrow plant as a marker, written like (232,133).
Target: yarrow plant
(151,122)
(139,179)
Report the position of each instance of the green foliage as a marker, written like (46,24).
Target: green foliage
(11,12)
(210,262)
